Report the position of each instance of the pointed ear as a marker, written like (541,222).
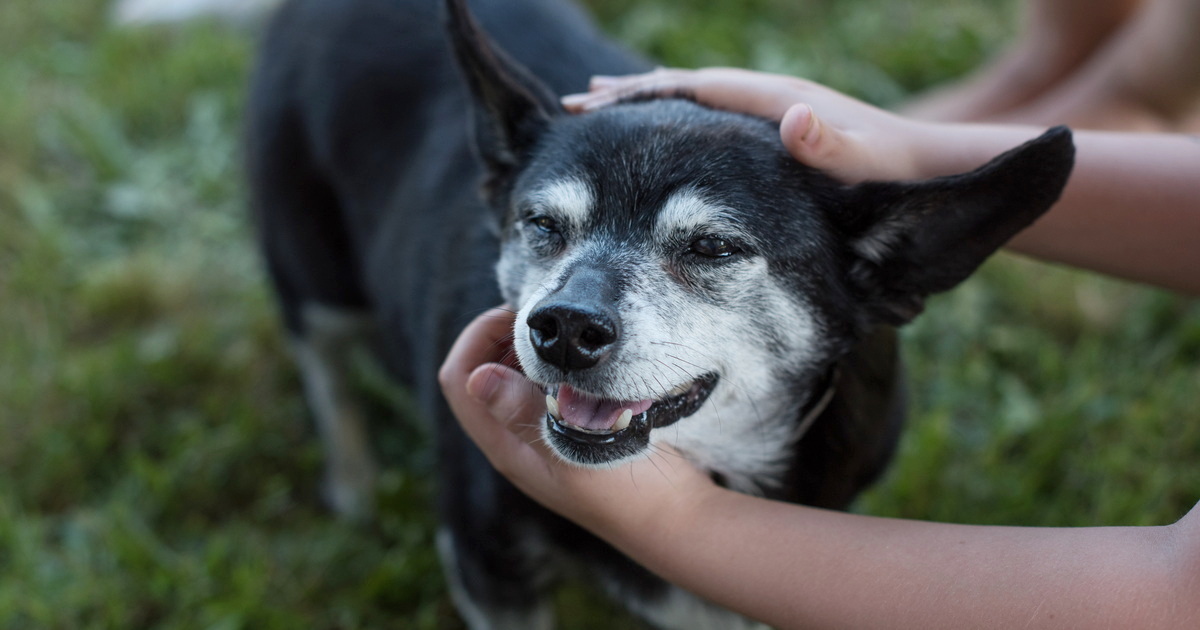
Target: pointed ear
(510,107)
(912,239)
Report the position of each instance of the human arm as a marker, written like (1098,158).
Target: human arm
(794,566)
(1131,208)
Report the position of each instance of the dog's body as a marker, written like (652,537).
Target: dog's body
(665,259)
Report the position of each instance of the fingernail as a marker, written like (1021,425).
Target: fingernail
(810,124)
(572,100)
(799,128)
(601,80)
(812,131)
(580,103)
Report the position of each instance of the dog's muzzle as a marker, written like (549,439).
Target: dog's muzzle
(588,430)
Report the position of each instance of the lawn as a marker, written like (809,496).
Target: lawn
(157,466)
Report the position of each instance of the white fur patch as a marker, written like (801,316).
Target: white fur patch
(568,201)
(880,242)
(687,211)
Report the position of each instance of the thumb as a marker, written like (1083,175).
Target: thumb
(808,139)
(822,146)
(513,400)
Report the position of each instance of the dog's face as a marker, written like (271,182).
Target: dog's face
(667,263)
(679,278)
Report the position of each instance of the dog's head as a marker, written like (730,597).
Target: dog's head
(680,278)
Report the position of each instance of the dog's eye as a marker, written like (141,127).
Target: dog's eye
(545,224)
(714,247)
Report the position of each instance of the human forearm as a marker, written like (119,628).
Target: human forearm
(793,566)
(1131,208)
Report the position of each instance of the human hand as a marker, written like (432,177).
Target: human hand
(503,412)
(851,140)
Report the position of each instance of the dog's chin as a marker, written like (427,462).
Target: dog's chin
(629,436)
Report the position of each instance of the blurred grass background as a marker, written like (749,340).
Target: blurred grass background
(157,467)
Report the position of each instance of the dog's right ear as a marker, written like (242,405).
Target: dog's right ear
(913,239)
(510,107)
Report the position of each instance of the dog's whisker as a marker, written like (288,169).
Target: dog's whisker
(759,420)
(502,342)
(678,371)
(466,316)
(670,356)
(656,467)
(663,388)
(653,393)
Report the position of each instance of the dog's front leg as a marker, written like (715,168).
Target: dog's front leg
(323,354)
(477,604)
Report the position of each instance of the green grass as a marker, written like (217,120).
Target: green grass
(157,468)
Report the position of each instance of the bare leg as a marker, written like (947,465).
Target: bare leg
(1146,78)
(1057,37)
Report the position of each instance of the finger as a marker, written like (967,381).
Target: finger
(501,411)
(607,90)
(516,402)
(598,98)
(820,146)
(490,385)
(473,377)
(578,103)
(732,89)
(487,339)
(799,130)
(601,82)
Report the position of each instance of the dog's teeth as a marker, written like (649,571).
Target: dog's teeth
(623,421)
(552,407)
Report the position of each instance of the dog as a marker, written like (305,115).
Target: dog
(678,279)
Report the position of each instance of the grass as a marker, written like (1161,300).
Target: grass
(157,468)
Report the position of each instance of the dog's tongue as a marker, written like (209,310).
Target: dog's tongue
(579,410)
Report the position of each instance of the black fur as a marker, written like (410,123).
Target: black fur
(367,196)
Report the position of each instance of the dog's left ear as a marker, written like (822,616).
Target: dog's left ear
(511,107)
(912,239)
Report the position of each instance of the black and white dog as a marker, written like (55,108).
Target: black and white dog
(679,279)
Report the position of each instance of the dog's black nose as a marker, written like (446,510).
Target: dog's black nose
(572,337)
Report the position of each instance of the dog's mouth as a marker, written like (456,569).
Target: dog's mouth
(589,430)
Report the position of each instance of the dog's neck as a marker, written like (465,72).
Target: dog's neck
(763,482)
(818,402)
